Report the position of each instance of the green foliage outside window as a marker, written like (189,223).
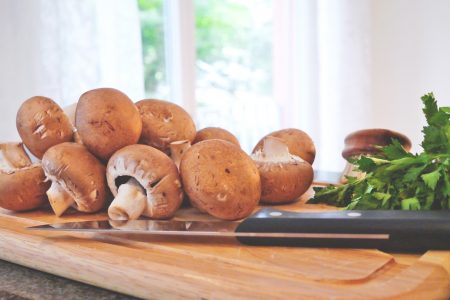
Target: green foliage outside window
(229,34)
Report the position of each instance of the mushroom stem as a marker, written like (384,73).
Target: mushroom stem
(274,151)
(129,203)
(59,199)
(70,113)
(177,149)
(13,156)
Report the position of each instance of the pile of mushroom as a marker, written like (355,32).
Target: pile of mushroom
(140,160)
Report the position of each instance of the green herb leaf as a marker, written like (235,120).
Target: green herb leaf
(395,150)
(411,204)
(431,179)
(396,179)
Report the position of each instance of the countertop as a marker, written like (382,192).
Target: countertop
(20,283)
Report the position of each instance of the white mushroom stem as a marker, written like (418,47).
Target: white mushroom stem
(5,163)
(129,203)
(13,156)
(274,150)
(177,149)
(59,199)
(70,112)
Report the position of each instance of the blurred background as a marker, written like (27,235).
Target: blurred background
(326,67)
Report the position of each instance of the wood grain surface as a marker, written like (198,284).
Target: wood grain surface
(217,268)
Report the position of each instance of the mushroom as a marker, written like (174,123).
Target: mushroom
(368,142)
(77,176)
(107,120)
(284,177)
(163,123)
(177,150)
(41,124)
(13,156)
(23,189)
(221,179)
(144,181)
(299,143)
(209,133)
(22,185)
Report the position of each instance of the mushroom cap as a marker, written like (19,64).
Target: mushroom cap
(298,142)
(79,173)
(283,182)
(164,122)
(367,141)
(41,124)
(107,120)
(13,156)
(284,176)
(154,171)
(210,133)
(221,179)
(23,189)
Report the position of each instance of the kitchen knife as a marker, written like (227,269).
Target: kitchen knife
(387,230)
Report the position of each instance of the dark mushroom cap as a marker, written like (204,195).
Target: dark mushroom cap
(107,120)
(221,179)
(210,133)
(23,189)
(79,173)
(164,122)
(368,141)
(41,124)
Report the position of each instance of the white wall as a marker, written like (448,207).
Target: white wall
(410,57)
(365,64)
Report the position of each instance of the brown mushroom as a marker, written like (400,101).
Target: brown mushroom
(107,120)
(23,189)
(221,179)
(22,185)
(368,142)
(284,177)
(164,122)
(41,124)
(77,176)
(144,181)
(210,133)
(177,150)
(299,143)
(13,156)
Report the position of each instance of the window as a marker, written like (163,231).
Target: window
(233,64)
(152,31)
(234,67)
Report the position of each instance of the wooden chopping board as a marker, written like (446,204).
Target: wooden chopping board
(212,268)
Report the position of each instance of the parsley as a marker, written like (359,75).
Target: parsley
(396,179)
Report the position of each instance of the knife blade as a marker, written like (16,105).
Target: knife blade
(386,230)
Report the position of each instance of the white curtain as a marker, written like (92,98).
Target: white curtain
(61,49)
(321,75)
(346,65)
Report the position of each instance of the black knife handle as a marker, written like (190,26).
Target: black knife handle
(382,229)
